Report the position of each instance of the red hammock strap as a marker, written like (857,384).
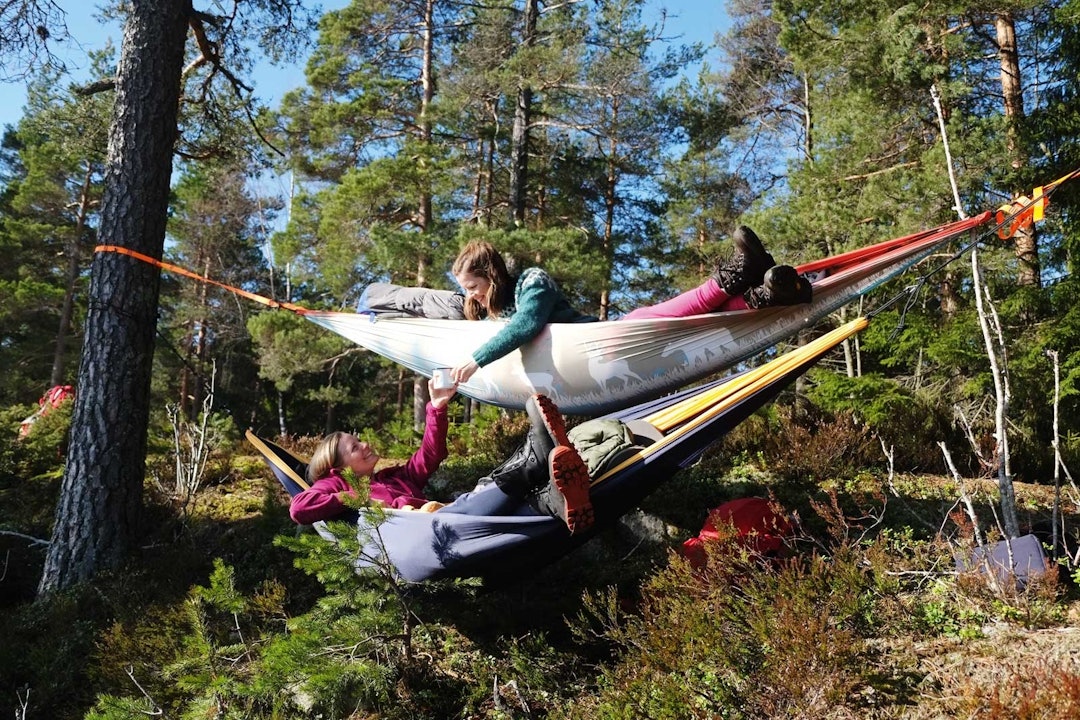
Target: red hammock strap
(854,257)
(169,267)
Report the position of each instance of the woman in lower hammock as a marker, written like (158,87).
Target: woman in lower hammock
(546,471)
(750,278)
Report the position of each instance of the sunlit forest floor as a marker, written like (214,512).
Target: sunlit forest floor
(865,617)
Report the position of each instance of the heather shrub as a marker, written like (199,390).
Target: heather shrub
(739,638)
(1048,689)
(819,448)
(910,423)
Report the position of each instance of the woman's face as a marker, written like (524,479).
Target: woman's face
(475,287)
(357,455)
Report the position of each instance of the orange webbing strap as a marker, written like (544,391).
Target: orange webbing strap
(1023,211)
(187,273)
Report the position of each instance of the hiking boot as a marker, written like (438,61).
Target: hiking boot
(566,495)
(782,285)
(747,265)
(545,417)
(527,469)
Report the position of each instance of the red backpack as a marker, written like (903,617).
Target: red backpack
(757,521)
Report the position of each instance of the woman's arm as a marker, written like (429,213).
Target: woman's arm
(322,501)
(537,295)
(432,452)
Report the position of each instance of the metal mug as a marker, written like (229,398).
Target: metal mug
(441,378)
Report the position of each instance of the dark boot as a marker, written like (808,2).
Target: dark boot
(566,494)
(545,417)
(747,265)
(527,469)
(782,285)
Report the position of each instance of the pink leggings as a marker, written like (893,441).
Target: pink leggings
(705,298)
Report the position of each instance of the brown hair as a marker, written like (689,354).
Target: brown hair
(481,259)
(325,458)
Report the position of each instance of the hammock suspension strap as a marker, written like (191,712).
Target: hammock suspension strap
(169,267)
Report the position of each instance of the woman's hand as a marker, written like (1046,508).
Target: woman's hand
(440,397)
(462,373)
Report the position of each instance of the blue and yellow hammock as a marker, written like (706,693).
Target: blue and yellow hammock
(486,534)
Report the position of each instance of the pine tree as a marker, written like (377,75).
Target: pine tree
(54,193)
(97,518)
(219,230)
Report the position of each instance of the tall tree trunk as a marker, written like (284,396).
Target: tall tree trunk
(1029,270)
(950,302)
(478,182)
(994,342)
(100,505)
(191,386)
(802,383)
(198,349)
(74,257)
(283,427)
(611,183)
(519,138)
(484,189)
(421,395)
(808,122)
(427,83)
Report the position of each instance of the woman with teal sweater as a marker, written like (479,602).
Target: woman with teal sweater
(749,279)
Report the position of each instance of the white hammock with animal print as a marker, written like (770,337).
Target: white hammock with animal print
(593,368)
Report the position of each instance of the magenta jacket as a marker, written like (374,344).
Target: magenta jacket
(392,487)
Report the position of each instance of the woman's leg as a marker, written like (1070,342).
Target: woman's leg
(705,298)
(724,290)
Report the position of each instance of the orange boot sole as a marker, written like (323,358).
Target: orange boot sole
(552,418)
(571,478)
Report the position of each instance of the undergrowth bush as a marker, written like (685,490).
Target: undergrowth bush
(819,448)
(909,423)
(739,638)
(1049,689)
(42,451)
(240,655)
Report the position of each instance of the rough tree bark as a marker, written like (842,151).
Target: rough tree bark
(519,161)
(100,506)
(1029,271)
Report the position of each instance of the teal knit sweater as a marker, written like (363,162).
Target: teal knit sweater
(537,302)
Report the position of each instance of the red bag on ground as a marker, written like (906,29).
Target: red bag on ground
(756,520)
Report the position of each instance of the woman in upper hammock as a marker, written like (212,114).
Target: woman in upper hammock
(750,278)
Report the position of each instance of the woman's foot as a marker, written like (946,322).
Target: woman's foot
(567,494)
(782,285)
(746,267)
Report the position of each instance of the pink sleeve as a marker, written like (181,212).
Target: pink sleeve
(319,502)
(432,451)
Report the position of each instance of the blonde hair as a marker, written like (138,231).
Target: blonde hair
(480,258)
(325,458)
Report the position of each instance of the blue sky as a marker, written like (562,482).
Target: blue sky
(693,20)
